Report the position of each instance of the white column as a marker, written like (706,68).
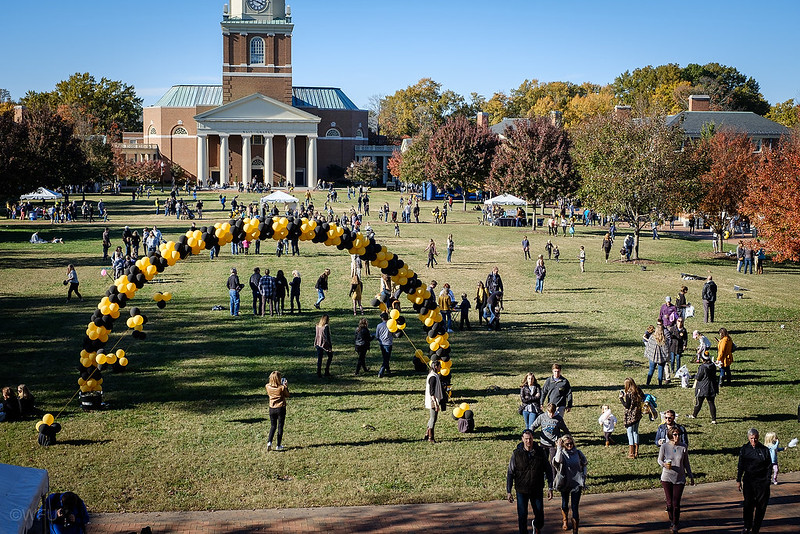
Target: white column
(385,169)
(202,159)
(246,157)
(224,170)
(290,162)
(311,165)
(269,160)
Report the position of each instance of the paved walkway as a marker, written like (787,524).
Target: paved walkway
(707,508)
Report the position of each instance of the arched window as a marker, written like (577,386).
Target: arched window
(180,130)
(359,133)
(333,132)
(257,163)
(257,51)
(152,130)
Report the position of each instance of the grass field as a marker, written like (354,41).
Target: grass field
(187,423)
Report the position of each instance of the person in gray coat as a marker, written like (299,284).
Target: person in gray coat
(706,387)
(570,465)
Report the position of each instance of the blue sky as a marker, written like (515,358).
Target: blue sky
(377,47)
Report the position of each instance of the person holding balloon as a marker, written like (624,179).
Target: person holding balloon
(435,398)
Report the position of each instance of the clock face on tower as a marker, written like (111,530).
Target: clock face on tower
(258,5)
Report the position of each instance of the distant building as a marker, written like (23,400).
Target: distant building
(255,126)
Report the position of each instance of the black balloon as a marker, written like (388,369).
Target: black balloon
(134,311)
(468,414)
(161,304)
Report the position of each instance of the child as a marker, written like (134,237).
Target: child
(608,421)
(464,306)
(26,401)
(246,246)
(396,230)
(582,258)
(556,253)
(772,443)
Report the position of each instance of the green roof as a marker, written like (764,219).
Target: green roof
(190,96)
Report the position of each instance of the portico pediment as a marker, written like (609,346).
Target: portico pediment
(257,113)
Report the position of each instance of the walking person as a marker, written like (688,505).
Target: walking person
(321,286)
(450,247)
(72,283)
(294,292)
(753,480)
(705,387)
(709,296)
(678,341)
(356,288)
(656,351)
(385,341)
(549,249)
(527,471)
(322,342)
(674,461)
(255,280)
(431,250)
(435,398)
(106,243)
(480,301)
(234,286)
(557,390)
(582,259)
(278,391)
(362,343)
(631,398)
(526,248)
(530,396)
(540,272)
(608,242)
(724,356)
(570,467)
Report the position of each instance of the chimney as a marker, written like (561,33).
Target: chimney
(19,114)
(555,118)
(699,103)
(483,119)
(622,112)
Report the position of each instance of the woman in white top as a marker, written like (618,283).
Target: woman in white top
(674,460)
(72,281)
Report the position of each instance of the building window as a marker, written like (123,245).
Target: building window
(757,145)
(359,133)
(152,130)
(333,132)
(180,130)
(257,51)
(258,140)
(257,162)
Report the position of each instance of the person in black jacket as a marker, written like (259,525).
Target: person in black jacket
(321,286)
(294,292)
(11,406)
(363,339)
(706,387)
(234,286)
(753,479)
(527,471)
(709,296)
(255,278)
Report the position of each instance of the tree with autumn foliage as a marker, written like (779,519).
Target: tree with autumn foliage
(460,155)
(730,165)
(533,161)
(634,169)
(395,163)
(773,200)
(365,171)
(138,172)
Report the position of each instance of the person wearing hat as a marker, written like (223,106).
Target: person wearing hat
(527,471)
(706,387)
(668,313)
(234,286)
(435,398)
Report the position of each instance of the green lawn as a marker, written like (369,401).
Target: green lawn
(188,421)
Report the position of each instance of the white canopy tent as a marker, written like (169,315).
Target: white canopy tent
(506,200)
(21,492)
(42,194)
(282,197)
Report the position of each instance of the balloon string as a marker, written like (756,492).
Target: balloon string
(90,376)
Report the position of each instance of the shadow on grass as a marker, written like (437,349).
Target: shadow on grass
(82,442)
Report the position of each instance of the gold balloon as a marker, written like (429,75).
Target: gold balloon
(48,419)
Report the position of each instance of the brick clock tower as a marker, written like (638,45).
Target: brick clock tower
(257,50)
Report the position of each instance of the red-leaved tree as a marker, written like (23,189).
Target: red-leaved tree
(460,154)
(731,165)
(395,163)
(773,200)
(534,162)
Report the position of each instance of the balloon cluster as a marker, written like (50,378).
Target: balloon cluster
(162,299)
(462,410)
(47,429)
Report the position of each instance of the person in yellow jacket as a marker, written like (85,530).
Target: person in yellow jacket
(446,302)
(724,356)
(481,296)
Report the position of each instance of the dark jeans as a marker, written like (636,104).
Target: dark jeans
(320,353)
(756,498)
(73,287)
(276,418)
(537,505)
(672,495)
(256,303)
(725,375)
(292,300)
(386,353)
(698,403)
(361,350)
(465,320)
(575,493)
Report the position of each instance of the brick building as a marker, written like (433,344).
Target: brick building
(256,126)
